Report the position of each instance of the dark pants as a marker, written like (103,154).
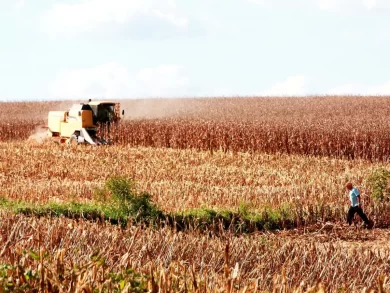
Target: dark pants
(359,211)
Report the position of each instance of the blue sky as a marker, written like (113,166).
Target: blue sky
(72,49)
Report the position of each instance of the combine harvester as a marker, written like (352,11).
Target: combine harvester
(80,123)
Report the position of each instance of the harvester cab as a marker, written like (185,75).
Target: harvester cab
(80,123)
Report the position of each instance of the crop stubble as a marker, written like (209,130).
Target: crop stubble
(304,258)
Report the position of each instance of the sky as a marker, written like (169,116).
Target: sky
(123,49)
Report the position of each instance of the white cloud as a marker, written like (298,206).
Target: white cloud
(262,2)
(112,80)
(164,80)
(351,6)
(361,89)
(97,15)
(333,6)
(224,91)
(19,5)
(338,6)
(369,4)
(104,81)
(293,86)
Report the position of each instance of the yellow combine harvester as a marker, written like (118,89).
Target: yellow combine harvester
(79,124)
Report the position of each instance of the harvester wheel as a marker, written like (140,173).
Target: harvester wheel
(73,140)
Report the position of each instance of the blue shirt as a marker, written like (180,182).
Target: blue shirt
(353,196)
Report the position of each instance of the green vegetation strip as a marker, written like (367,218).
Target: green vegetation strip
(119,202)
(196,219)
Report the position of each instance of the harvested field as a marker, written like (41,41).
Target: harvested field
(213,262)
(184,179)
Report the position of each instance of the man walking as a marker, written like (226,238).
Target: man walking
(354,196)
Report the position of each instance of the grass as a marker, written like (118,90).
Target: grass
(119,202)
(202,219)
(140,209)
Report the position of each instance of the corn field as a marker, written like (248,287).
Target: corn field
(341,127)
(247,154)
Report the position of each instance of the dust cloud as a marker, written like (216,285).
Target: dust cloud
(39,136)
(157,108)
(65,105)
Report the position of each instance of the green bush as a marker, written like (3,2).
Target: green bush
(126,198)
(379,182)
(142,207)
(122,189)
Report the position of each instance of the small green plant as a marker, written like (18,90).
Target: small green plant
(379,182)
